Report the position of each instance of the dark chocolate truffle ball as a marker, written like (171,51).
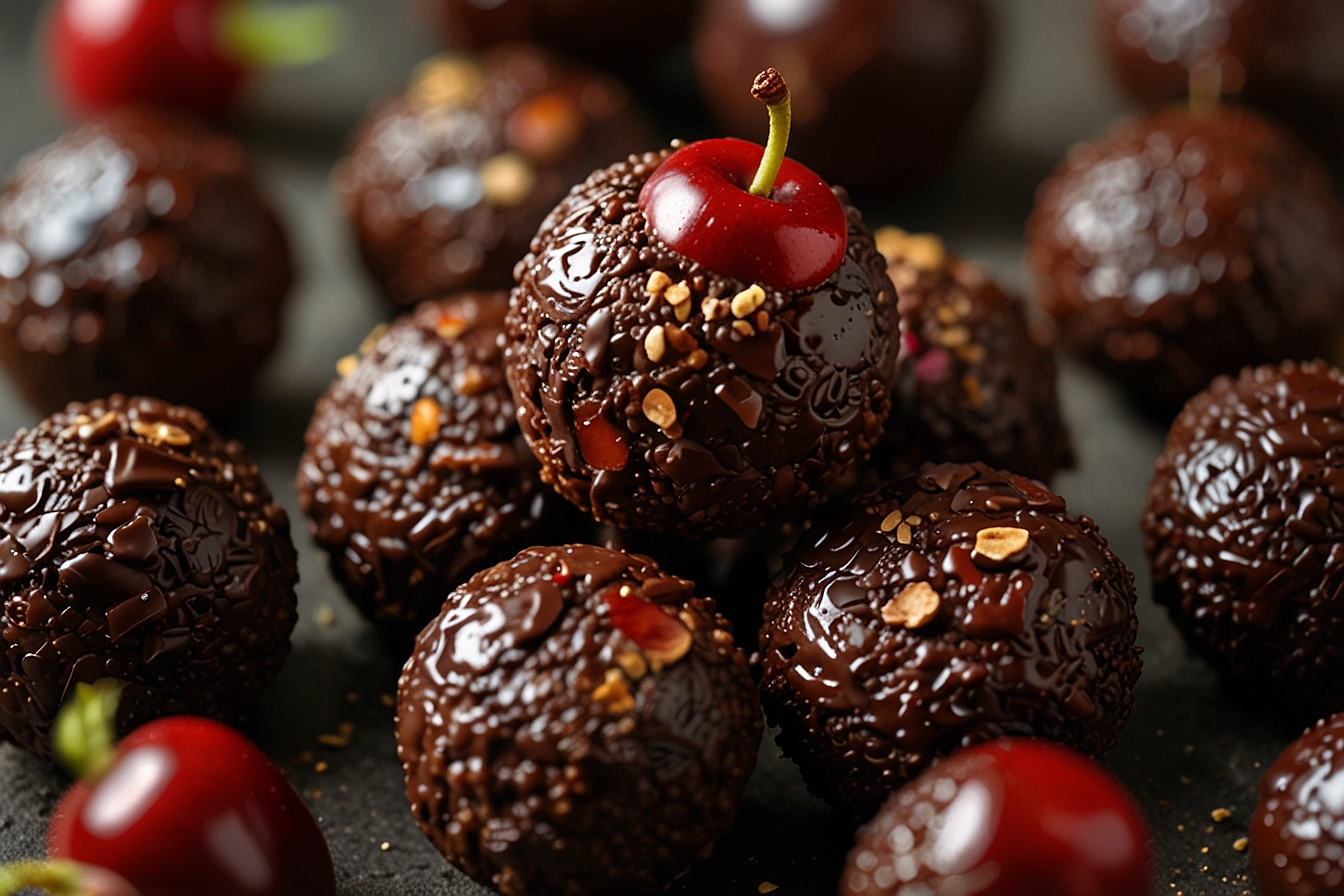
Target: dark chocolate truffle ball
(445,185)
(1243,530)
(975,381)
(576,721)
(947,609)
(137,545)
(1281,56)
(881,88)
(1297,834)
(137,254)
(1185,246)
(663,396)
(625,36)
(415,474)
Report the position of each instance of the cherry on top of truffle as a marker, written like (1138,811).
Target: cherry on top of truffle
(747,212)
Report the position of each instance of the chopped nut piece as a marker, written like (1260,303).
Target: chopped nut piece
(507,179)
(372,339)
(660,409)
(747,301)
(100,428)
(1241,844)
(903,533)
(470,381)
(424,421)
(341,739)
(696,359)
(162,433)
(767,887)
(971,354)
(655,344)
(913,520)
(1000,542)
(633,664)
(678,338)
(347,365)
(923,251)
(658,283)
(677,293)
(321,767)
(714,309)
(614,694)
(450,327)
(446,81)
(744,328)
(682,312)
(954,337)
(947,315)
(915,606)
(891,521)
(1220,815)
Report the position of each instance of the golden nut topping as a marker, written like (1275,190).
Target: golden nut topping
(915,606)
(614,694)
(424,421)
(743,328)
(1220,815)
(347,365)
(507,180)
(450,327)
(545,127)
(747,301)
(445,81)
(162,433)
(633,664)
(678,338)
(658,284)
(891,521)
(470,381)
(923,251)
(655,344)
(697,359)
(660,409)
(1000,542)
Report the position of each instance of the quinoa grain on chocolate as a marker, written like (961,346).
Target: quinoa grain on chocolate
(1243,530)
(138,254)
(445,185)
(137,544)
(415,475)
(576,721)
(659,395)
(950,608)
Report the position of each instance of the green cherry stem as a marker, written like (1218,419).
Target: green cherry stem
(279,36)
(57,878)
(85,735)
(769,88)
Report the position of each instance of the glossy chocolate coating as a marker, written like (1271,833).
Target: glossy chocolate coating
(1281,56)
(445,185)
(766,419)
(625,36)
(137,254)
(1184,246)
(547,752)
(1039,644)
(1242,530)
(137,545)
(975,381)
(881,88)
(1297,840)
(415,474)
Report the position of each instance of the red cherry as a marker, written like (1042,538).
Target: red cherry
(1008,818)
(191,806)
(747,212)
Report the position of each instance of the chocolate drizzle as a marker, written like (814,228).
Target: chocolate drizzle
(1039,642)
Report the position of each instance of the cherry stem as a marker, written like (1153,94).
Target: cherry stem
(282,36)
(769,88)
(60,878)
(85,735)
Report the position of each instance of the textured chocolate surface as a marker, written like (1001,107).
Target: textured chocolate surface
(881,88)
(415,474)
(975,381)
(621,35)
(762,415)
(1281,56)
(137,254)
(445,185)
(1297,834)
(1040,642)
(1184,246)
(1242,529)
(137,544)
(553,745)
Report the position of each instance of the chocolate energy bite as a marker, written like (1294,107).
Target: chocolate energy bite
(1297,833)
(663,396)
(1183,246)
(975,382)
(415,475)
(1242,528)
(136,544)
(445,185)
(947,609)
(576,721)
(138,254)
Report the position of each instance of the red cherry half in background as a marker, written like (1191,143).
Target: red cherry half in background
(1008,818)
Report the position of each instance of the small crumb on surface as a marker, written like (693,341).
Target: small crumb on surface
(1220,815)
(767,887)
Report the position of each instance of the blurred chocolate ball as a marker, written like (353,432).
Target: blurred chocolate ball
(138,254)
(881,88)
(1182,246)
(445,185)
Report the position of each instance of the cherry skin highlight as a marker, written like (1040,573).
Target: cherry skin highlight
(1009,818)
(191,806)
(697,202)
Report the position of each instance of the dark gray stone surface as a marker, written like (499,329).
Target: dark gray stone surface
(1189,748)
